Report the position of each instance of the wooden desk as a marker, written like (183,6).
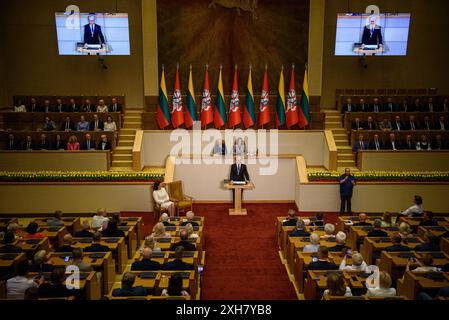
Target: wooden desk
(372,247)
(119,250)
(444,245)
(165,244)
(31,246)
(437,231)
(297,244)
(137,222)
(316,283)
(344,222)
(278,228)
(72,224)
(167,256)
(415,221)
(8,262)
(174,230)
(285,232)
(358,233)
(416,282)
(54,234)
(105,265)
(238,188)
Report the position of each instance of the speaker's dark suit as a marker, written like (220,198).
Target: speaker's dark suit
(372,37)
(238,175)
(95,37)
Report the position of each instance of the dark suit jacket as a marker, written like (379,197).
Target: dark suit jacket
(35,108)
(373,126)
(83,234)
(138,291)
(354,126)
(408,125)
(389,145)
(65,248)
(338,248)
(45,267)
(239,176)
(443,146)
(322,265)
(96,247)
(113,234)
(290,222)
(427,247)
(411,147)
(14,145)
(393,108)
(365,224)
(73,108)
(168,224)
(100,125)
(379,106)
(345,107)
(107,146)
(363,108)
(399,124)
(118,109)
(299,233)
(427,126)
(62,145)
(193,223)
(43,109)
(46,145)
(96,37)
(188,246)
(377,233)
(372,38)
(93,108)
(32,145)
(63,108)
(71,125)
(357,147)
(48,290)
(92,145)
(146,265)
(397,248)
(178,265)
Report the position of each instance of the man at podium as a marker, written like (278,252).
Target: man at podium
(372,34)
(93,33)
(239,173)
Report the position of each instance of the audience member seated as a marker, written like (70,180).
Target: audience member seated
(409,143)
(404,107)
(341,240)
(384,289)
(336,286)
(189,219)
(161,197)
(319,220)
(67,244)
(190,232)
(49,125)
(127,288)
(314,243)
(411,123)
(385,125)
(41,262)
(18,285)
(390,106)
(46,107)
(56,288)
(9,247)
(443,294)
(60,107)
(101,107)
(96,245)
(109,125)
(20,107)
(357,124)
(300,230)
(146,264)
(174,287)
(88,143)
(115,106)
(362,106)
(392,143)
(291,218)
(386,220)
(104,144)
(184,242)
(322,261)
(441,124)
(439,143)
(405,231)
(34,106)
(84,232)
(416,210)
(67,124)
(12,143)
(431,243)
(177,263)
(43,143)
(444,107)
(77,258)
(377,232)
(112,230)
(149,243)
(397,245)
(73,106)
(427,124)
(362,220)
(423,144)
(88,106)
(358,264)
(360,144)
(424,265)
(82,125)
(164,220)
(99,219)
(159,231)
(398,125)
(73,144)
(59,144)
(376,106)
(348,106)
(429,106)
(329,230)
(376,144)
(31,231)
(28,144)
(428,220)
(96,124)
(416,106)
(370,124)
(56,220)
(15,229)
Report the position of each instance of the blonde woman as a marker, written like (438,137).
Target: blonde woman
(149,243)
(190,233)
(73,144)
(159,231)
(405,231)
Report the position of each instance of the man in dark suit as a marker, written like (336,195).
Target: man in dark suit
(357,124)
(291,218)
(431,243)
(372,33)
(377,232)
(362,106)
(397,124)
(43,144)
(96,124)
(115,106)
(428,220)
(370,124)
(390,106)
(92,32)
(411,124)
(28,144)
(46,107)
(67,124)
(300,230)
(409,144)
(84,232)
(439,143)
(376,144)
(347,183)
(239,172)
(127,288)
(322,262)
(348,106)
(88,144)
(375,106)
(146,264)
(444,106)
(416,106)
(11,144)
(59,106)
(88,106)
(359,145)
(441,124)
(67,244)
(34,106)
(404,106)
(340,237)
(392,143)
(9,247)
(96,245)
(59,144)
(184,242)
(427,124)
(73,106)
(104,144)
(397,245)
(177,263)
(429,106)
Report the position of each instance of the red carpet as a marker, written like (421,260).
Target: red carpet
(242,260)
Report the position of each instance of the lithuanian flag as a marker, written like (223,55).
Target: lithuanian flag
(220,109)
(163,109)
(190,114)
(249,116)
(304,111)
(280,103)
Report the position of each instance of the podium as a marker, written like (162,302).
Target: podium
(238,210)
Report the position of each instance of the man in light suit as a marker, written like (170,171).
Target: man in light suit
(92,32)
(239,172)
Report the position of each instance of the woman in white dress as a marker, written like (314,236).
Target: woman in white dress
(161,197)
(101,106)
(110,125)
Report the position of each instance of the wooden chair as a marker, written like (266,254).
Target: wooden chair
(181,200)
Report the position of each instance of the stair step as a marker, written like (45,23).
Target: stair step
(132,125)
(348,163)
(122,163)
(127,136)
(333,117)
(344,151)
(120,156)
(338,131)
(340,136)
(125,143)
(341,156)
(341,142)
(332,125)
(128,131)
(119,168)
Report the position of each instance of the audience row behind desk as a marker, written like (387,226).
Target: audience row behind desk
(72,106)
(390,106)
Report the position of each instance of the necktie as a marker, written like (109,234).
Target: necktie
(103,145)
(392,143)
(376,109)
(405,107)
(88,145)
(115,107)
(427,125)
(377,145)
(349,107)
(238,169)
(391,107)
(92,29)
(431,107)
(67,125)
(413,125)
(96,125)
(409,146)
(361,145)
(28,145)
(442,125)
(11,143)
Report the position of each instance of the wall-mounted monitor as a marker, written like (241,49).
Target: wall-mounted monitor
(92,33)
(384,34)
